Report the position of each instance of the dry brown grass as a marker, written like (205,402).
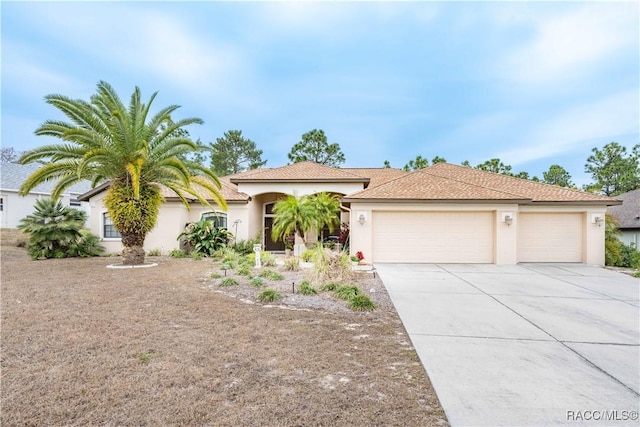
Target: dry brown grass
(86,345)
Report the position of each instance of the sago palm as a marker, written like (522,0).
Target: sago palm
(134,151)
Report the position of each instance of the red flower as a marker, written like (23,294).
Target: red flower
(360,255)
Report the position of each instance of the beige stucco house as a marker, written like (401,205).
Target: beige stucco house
(441,214)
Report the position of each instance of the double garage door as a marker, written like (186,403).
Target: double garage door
(433,237)
(469,237)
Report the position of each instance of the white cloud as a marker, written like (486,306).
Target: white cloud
(602,119)
(569,41)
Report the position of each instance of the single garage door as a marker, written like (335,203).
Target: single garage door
(433,237)
(550,237)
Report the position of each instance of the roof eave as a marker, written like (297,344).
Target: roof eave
(577,202)
(435,201)
(89,194)
(310,180)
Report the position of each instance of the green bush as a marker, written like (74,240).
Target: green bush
(361,302)
(215,275)
(269,295)
(347,292)
(178,253)
(228,281)
(271,275)
(245,247)
(256,282)
(56,231)
(154,252)
(307,289)
(268,260)
(243,270)
(307,255)
(331,286)
(204,237)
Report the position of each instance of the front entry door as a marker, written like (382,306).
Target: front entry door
(269,244)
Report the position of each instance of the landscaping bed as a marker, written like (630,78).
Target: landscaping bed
(87,345)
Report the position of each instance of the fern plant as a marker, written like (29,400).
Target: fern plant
(56,231)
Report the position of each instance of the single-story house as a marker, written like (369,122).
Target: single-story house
(441,214)
(14,207)
(628,216)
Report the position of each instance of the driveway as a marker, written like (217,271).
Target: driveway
(531,344)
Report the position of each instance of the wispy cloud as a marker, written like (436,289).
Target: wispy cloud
(564,43)
(602,119)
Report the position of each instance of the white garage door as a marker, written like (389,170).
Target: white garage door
(550,237)
(433,237)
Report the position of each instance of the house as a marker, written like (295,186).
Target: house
(442,214)
(628,216)
(14,207)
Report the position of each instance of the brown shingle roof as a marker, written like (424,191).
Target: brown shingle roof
(228,190)
(302,171)
(628,213)
(445,181)
(377,176)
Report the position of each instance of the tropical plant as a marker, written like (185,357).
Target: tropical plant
(292,264)
(178,253)
(245,247)
(228,281)
(271,275)
(56,231)
(256,281)
(134,153)
(204,237)
(297,215)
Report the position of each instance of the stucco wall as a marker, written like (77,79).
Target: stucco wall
(506,237)
(16,207)
(299,189)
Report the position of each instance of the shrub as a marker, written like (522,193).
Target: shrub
(269,295)
(228,281)
(347,292)
(243,270)
(361,302)
(56,231)
(245,247)
(292,264)
(271,275)
(204,237)
(215,275)
(331,286)
(330,266)
(177,253)
(256,282)
(307,289)
(154,252)
(268,260)
(231,259)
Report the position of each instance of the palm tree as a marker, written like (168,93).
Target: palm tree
(301,214)
(327,207)
(292,215)
(134,152)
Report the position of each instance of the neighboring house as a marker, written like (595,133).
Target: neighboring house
(628,215)
(14,207)
(441,214)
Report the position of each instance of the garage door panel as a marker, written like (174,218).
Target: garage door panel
(550,237)
(434,237)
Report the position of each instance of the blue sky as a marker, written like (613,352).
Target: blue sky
(533,83)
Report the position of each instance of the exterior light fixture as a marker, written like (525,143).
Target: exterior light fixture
(362,218)
(598,220)
(507,218)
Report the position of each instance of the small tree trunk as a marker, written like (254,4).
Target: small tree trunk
(133,252)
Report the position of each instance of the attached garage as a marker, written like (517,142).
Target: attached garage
(550,237)
(433,237)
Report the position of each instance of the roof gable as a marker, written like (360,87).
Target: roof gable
(299,172)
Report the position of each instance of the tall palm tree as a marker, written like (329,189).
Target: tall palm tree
(327,207)
(136,153)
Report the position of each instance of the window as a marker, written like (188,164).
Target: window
(268,208)
(1,204)
(219,219)
(108,230)
(75,203)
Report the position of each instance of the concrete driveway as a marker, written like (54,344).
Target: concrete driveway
(532,344)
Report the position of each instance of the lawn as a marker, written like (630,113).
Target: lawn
(87,345)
